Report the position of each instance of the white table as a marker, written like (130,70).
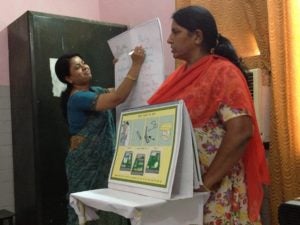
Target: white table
(141,210)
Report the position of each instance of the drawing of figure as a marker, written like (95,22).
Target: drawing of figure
(148,136)
(124,133)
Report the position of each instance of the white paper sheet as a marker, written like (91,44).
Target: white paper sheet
(57,86)
(151,76)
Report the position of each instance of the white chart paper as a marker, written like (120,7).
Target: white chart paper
(151,76)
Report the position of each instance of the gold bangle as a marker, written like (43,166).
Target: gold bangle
(131,78)
(206,188)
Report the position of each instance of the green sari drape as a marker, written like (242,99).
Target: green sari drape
(88,164)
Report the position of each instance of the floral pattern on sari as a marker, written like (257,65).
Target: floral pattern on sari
(228,204)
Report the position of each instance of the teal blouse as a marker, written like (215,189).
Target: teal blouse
(80,105)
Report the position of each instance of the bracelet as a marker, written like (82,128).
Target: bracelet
(206,188)
(130,78)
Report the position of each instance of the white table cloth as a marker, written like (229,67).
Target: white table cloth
(141,210)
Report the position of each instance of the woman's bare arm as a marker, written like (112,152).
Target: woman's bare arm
(238,132)
(117,96)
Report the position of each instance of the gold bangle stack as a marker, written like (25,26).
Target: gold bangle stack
(130,78)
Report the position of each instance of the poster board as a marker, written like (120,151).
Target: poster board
(155,152)
(154,171)
(147,34)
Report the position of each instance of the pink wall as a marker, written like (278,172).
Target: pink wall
(132,12)
(119,11)
(11,10)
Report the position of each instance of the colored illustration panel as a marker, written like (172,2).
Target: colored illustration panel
(139,164)
(153,162)
(145,146)
(126,162)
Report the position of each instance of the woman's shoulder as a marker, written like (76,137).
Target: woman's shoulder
(98,89)
(82,95)
(82,99)
(224,66)
(91,90)
(220,61)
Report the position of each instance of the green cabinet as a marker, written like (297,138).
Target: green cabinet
(40,137)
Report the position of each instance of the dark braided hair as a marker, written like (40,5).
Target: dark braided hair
(62,70)
(197,17)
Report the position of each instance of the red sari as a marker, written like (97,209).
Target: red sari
(204,86)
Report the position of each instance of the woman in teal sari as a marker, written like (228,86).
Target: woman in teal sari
(91,125)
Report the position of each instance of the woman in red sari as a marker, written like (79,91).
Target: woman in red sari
(213,86)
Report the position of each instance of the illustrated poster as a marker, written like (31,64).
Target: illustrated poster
(145,146)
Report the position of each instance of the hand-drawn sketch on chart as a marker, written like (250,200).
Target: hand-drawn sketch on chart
(151,76)
(57,86)
(150,134)
(125,133)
